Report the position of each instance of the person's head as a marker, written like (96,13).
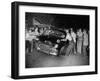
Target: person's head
(41,30)
(80,30)
(84,31)
(71,29)
(67,31)
(29,31)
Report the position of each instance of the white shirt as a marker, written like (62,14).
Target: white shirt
(85,39)
(73,36)
(68,37)
(31,35)
(79,34)
(28,37)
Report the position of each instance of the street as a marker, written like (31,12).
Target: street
(40,59)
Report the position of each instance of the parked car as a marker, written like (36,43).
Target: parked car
(47,42)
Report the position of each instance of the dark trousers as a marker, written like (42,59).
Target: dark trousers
(85,50)
(28,46)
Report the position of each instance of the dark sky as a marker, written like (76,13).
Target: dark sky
(74,21)
(61,20)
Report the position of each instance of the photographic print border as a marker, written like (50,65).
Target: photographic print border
(15,39)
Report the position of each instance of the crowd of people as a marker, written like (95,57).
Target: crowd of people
(77,42)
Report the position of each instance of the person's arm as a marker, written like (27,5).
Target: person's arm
(65,39)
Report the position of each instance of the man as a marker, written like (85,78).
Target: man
(68,36)
(31,37)
(28,40)
(79,41)
(73,35)
(85,42)
(34,36)
(67,49)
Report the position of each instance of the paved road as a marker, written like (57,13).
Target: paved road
(39,59)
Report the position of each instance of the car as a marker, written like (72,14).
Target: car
(47,42)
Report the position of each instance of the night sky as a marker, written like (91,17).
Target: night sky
(74,21)
(60,20)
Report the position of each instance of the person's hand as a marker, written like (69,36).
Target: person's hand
(58,41)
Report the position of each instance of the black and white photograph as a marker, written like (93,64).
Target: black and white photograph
(50,40)
(56,40)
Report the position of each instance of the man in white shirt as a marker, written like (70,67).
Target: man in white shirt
(31,37)
(28,40)
(79,41)
(67,48)
(73,35)
(68,36)
(85,42)
(35,34)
